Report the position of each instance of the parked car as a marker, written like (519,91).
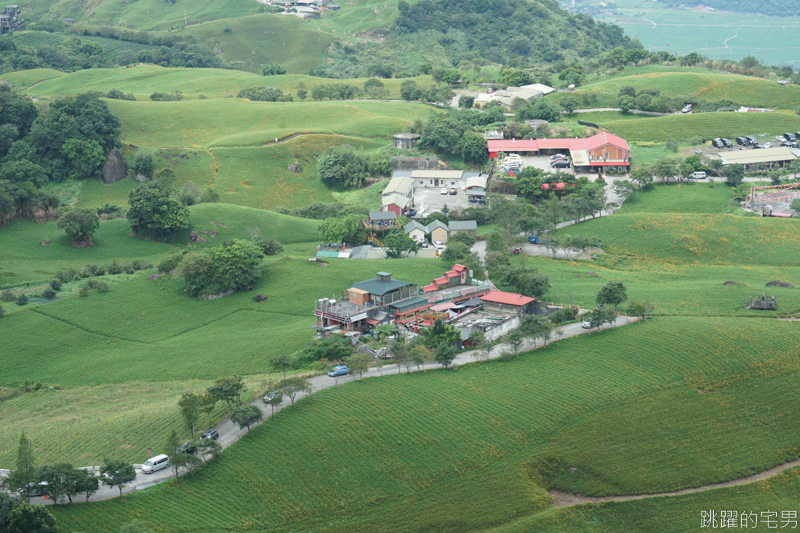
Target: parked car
(717,143)
(424,245)
(411,212)
(517,250)
(560,164)
(212,434)
(339,370)
(728,143)
(781,139)
(557,156)
(444,190)
(699,175)
(742,141)
(585,324)
(768,144)
(154,464)
(687,108)
(789,145)
(438,245)
(751,139)
(757,146)
(453,190)
(789,136)
(187,447)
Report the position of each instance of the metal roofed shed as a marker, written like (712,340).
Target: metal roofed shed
(752,157)
(463,225)
(382,215)
(381,284)
(398,185)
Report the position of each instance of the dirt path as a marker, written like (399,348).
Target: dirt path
(565,499)
(35,84)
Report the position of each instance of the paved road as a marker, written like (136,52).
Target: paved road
(230,433)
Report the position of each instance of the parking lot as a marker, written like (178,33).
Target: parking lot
(435,200)
(542,162)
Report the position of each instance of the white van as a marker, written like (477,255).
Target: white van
(699,175)
(155,464)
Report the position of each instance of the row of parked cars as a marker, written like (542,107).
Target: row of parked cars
(788,139)
(559,161)
(160,462)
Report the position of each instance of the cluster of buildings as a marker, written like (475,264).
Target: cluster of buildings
(507,96)
(468,304)
(399,194)
(592,154)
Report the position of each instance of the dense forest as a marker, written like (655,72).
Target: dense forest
(775,8)
(69,138)
(512,32)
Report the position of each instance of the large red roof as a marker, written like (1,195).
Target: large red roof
(512,146)
(555,144)
(604,138)
(507,298)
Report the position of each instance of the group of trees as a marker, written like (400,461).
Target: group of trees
(450,134)
(70,139)
(651,100)
(264,94)
(343,167)
(232,266)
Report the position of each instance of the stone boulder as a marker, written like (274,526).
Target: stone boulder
(259,297)
(295,168)
(153,277)
(141,178)
(780,284)
(115,168)
(45,242)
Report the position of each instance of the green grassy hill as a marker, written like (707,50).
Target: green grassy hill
(430,442)
(684,127)
(142,81)
(238,122)
(701,83)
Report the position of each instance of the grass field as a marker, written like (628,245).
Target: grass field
(692,81)
(238,122)
(144,80)
(259,177)
(112,48)
(433,438)
(684,127)
(26,78)
(23,260)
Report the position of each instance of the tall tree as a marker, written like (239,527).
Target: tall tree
(23,477)
(117,474)
(26,518)
(154,212)
(359,363)
(612,293)
(399,244)
(245,416)
(177,457)
(291,387)
(445,354)
(228,389)
(190,404)
(281,363)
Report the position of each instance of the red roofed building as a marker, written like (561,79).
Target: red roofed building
(595,152)
(507,302)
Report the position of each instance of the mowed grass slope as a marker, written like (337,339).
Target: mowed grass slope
(22,79)
(701,83)
(428,443)
(237,122)
(144,80)
(23,259)
(684,127)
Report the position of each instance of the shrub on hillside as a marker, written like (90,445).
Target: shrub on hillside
(55,284)
(344,167)
(144,164)
(22,299)
(2,311)
(82,292)
(101,287)
(7,296)
(114,268)
(264,94)
(170,263)
(48,293)
(174,96)
(154,212)
(232,266)
(272,69)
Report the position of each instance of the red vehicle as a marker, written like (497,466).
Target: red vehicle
(517,250)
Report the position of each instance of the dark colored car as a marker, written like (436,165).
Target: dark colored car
(560,164)
(212,434)
(187,447)
(453,190)
(411,212)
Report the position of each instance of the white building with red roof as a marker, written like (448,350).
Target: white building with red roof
(507,302)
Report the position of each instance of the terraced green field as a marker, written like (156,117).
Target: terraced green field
(112,48)
(430,442)
(144,80)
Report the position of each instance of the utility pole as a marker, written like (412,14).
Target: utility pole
(184,19)
(570,300)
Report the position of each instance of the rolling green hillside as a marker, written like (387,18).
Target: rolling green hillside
(700,83)
(142,81)
(709,125)
(238,122)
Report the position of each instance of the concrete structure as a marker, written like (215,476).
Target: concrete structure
(507,302)
(591,154)
(416,163)
(10,19)
(463,226)
(437,178)
(772,157)
(406,141)
(397,195)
